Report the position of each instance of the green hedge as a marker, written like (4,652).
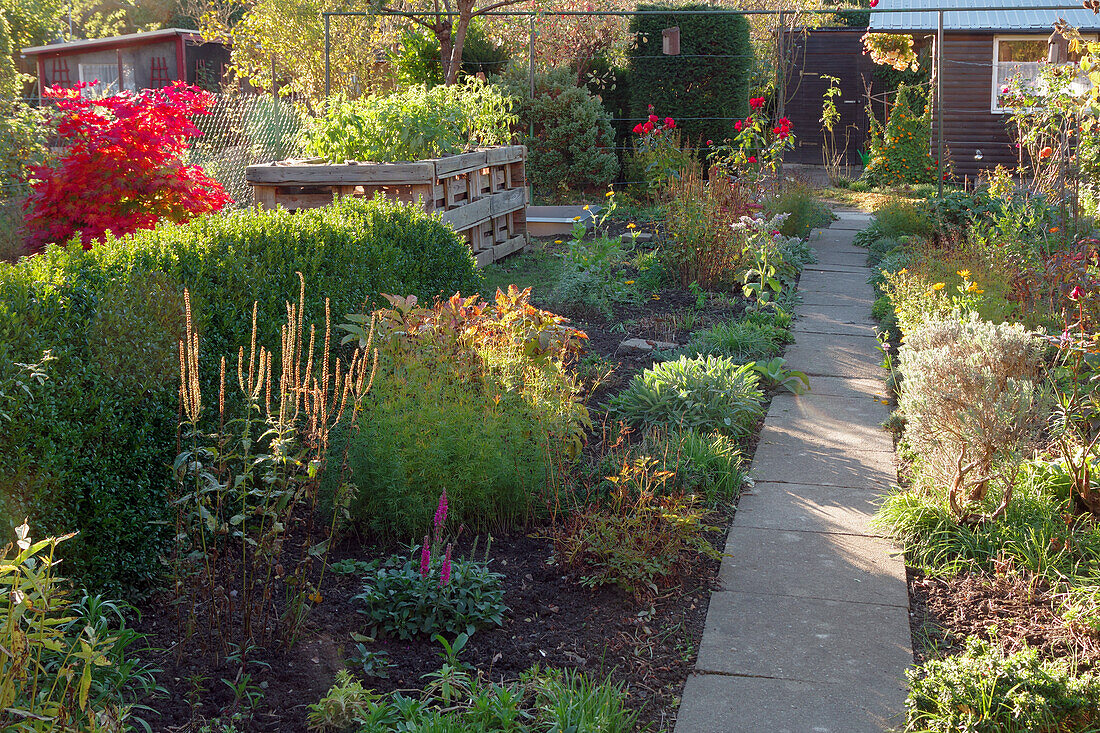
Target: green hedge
(710,78)
(92,451)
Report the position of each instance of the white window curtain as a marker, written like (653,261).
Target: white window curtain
(104,78)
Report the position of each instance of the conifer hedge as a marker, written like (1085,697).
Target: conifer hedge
(710,77)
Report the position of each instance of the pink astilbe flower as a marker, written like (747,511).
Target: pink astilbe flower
(440,514)
(445,574)
(425,558)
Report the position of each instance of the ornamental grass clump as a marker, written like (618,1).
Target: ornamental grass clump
(972,402)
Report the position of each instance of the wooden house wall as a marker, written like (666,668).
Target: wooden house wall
(968,123)
(836,52)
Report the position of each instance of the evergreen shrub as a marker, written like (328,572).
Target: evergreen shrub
(570,141)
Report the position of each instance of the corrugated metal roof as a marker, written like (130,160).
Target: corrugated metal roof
(960,15)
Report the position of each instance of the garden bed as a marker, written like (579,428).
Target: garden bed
(553,621)
(648,645)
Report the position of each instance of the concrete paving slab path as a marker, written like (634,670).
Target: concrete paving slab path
(836,509)
(810,629)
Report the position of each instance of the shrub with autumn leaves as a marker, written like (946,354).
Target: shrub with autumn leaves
(122,168)
(900,153)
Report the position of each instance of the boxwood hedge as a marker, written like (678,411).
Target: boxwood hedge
(91,449)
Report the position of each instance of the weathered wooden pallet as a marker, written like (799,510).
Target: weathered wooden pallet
(482,194)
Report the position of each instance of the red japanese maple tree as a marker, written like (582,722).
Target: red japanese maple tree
(122,168)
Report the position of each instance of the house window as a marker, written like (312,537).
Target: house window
(1022,57)
(104,78)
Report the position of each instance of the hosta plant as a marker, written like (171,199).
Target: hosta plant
(706,393)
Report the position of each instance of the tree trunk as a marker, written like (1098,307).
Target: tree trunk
(455,58)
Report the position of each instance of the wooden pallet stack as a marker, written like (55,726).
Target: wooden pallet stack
(482,194)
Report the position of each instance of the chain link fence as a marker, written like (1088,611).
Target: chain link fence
(243,130)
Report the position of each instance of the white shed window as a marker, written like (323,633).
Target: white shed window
(1023,57)
(104,78)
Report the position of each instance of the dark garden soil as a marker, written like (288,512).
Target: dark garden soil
(553,621)
(1023,609)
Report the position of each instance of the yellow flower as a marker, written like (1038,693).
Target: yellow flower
(963,273)
(628,282)
(631,226)
(939,286)
(586,207)
(576,218)
(609,194)
(974,289)
(557,241)
(903,271)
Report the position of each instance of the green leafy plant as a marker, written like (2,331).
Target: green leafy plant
(641,539)
(833,157)
(455,702)
(370,662)
(775,375)
(407,597)
(804,212)
(591,274)
(660,153)
(346,704)
(242,485)
(498,366)
(414,124)
(706,393)
(742,341)
(65,664)
(757,148)
(762,278)
(988,691)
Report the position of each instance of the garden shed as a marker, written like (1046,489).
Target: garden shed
(982,50)
(140,60)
